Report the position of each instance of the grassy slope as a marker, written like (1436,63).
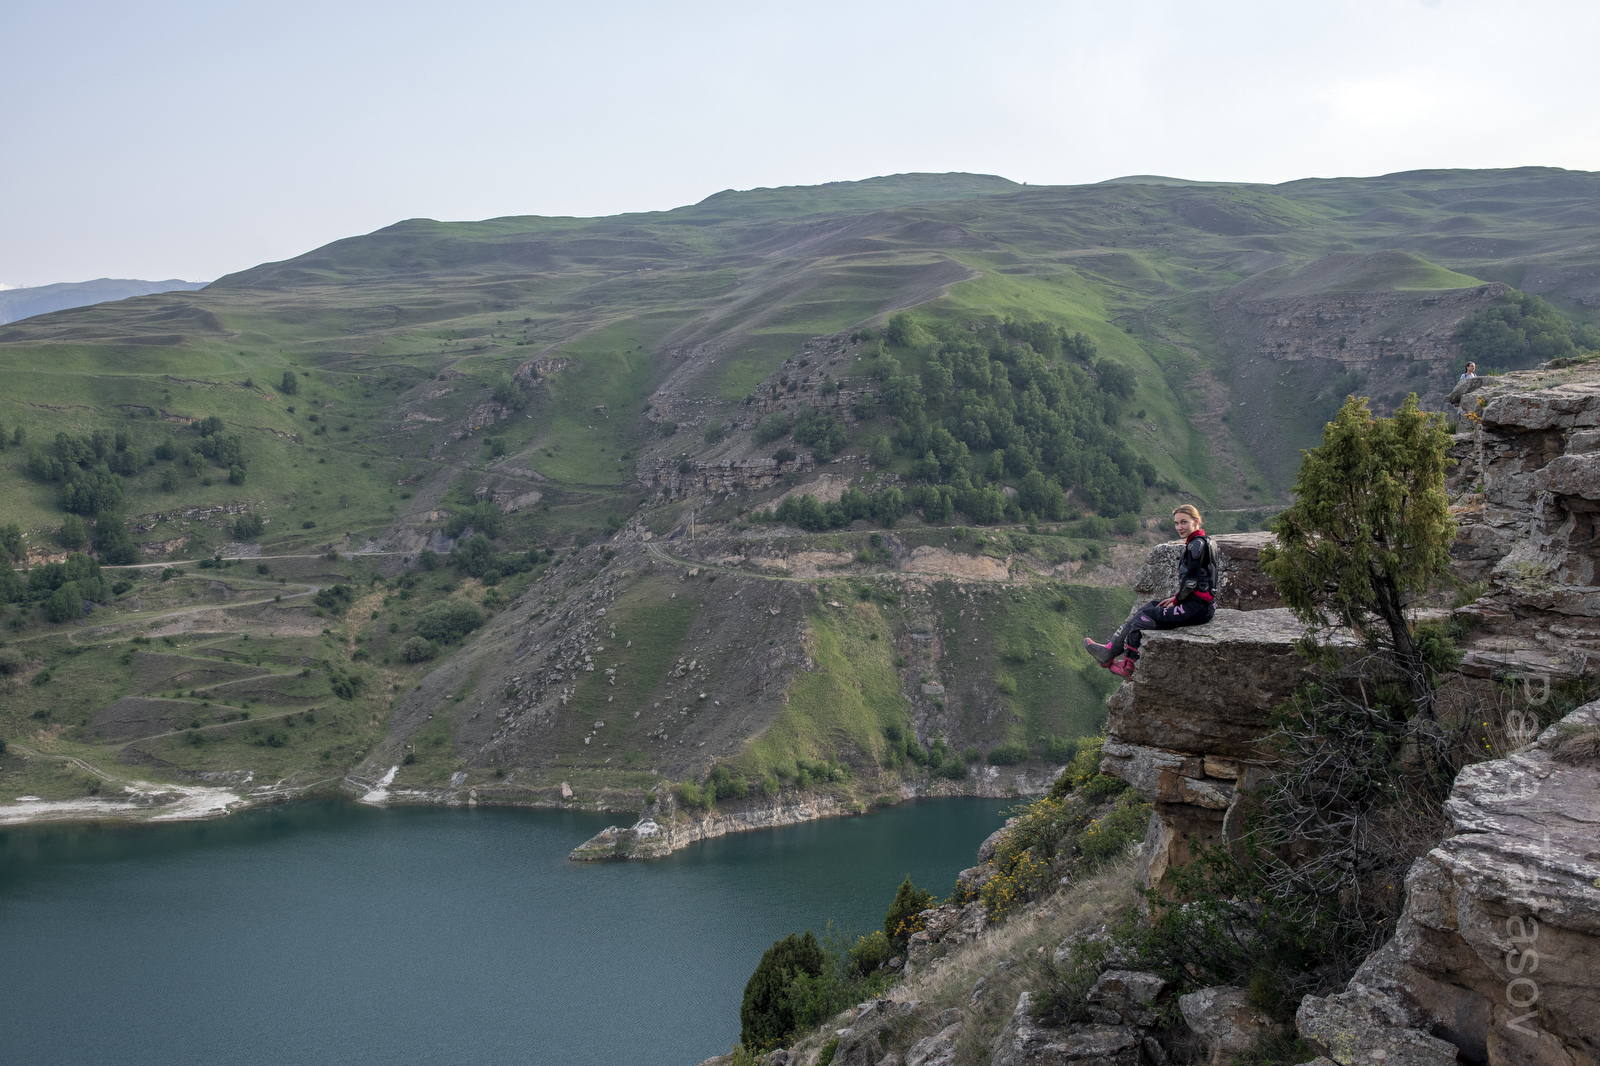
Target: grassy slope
(742,279)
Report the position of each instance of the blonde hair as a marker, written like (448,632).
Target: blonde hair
(1190,510)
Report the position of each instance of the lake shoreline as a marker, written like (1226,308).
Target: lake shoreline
(655,834)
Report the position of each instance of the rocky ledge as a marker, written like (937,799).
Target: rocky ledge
(1184,729)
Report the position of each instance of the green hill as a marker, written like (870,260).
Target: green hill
(577,383)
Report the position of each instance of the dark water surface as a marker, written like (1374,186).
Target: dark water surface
(329,933)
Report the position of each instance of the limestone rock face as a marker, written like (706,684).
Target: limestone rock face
(859,1045)
(945,927)
(1498,949)
(1361,1026)
(1126,997)
(936,1050)
(1243,586)
(1184,729)
(1024,1043)
(1528,494)
(1224,1020)
(1208,690)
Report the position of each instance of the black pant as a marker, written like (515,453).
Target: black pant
(1191,612)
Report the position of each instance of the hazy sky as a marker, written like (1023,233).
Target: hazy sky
(167,139)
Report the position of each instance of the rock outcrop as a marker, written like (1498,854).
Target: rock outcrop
(1224,1020)
(1527,498)
(1185,729)
(1243,586)
(681,477)
(1023,1042)
(657,835)
(1497,953)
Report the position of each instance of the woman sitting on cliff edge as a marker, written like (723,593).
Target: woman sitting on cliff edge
(1191,605)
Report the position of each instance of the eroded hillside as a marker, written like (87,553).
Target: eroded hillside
(541,404)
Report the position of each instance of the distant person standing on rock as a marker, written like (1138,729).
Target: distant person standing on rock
(1470,372)
(1193,604)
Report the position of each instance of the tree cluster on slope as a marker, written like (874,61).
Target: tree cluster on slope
(1032,407)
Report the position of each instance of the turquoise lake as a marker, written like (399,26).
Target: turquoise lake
(330,933)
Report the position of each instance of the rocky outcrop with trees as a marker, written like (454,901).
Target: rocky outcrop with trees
(1361,847)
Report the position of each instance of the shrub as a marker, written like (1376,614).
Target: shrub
(767,1014)
(418,650)
(1008,755)
(248,525)
(871,952)
(11,662)
(73,533)
(1006,685)
(448,621)
(904,914)
(772,427)
(1126,524)
(1057,749)
(290,384)
(65,604)
(345,686)
(722,784)
(484,518)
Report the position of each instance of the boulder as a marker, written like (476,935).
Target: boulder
(1243,585)
(1496,951)
(1127,996)
(1364,1026)
(1025,1043)
(936,1050)
(872,1029)
(1224,1020)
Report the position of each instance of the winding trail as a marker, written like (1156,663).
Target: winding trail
(660,553)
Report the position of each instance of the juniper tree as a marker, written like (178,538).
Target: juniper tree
(909,901)
(1369,529)
(767,1015)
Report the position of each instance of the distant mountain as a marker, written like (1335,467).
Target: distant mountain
(42,299)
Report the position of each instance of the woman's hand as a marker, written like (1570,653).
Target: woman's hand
(1170,601)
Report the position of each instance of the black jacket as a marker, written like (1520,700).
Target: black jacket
(1197,568)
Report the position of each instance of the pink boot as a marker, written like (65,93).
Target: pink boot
(1123,667)
(1101,653)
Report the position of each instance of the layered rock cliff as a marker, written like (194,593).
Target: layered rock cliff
(1528,492)
(1497,953)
